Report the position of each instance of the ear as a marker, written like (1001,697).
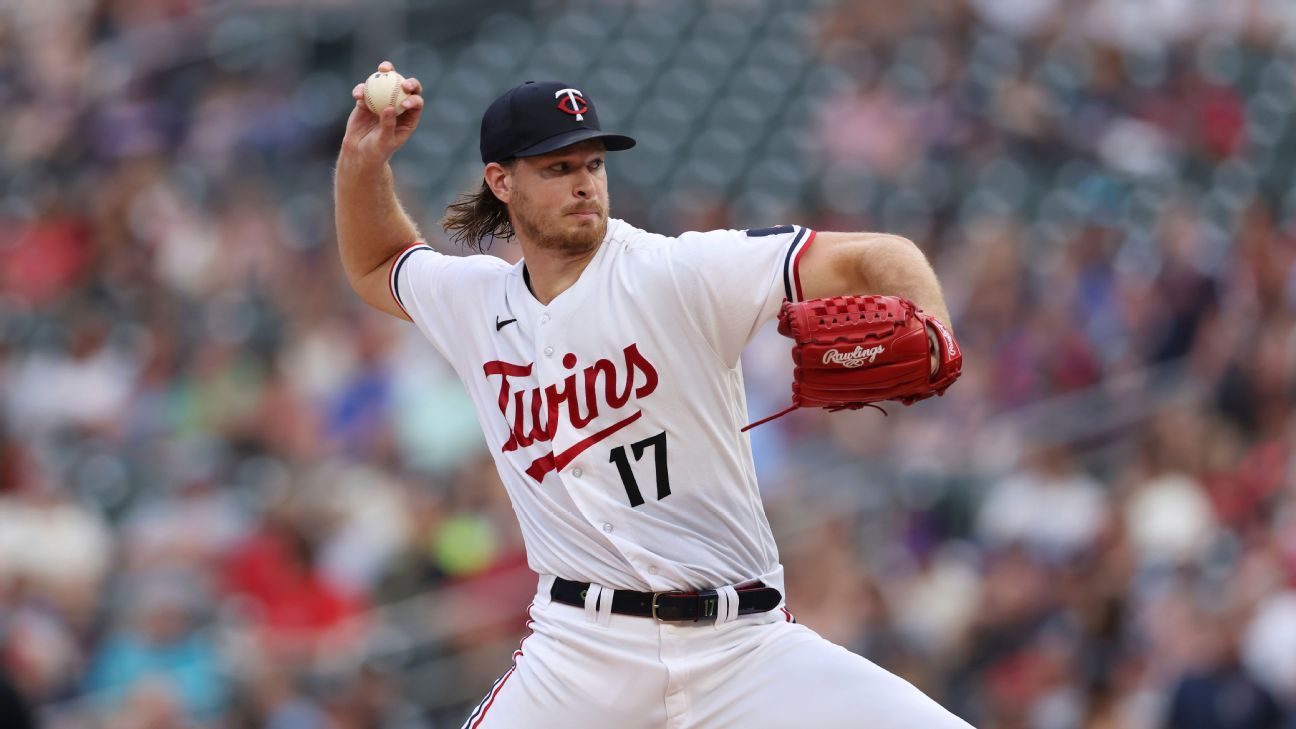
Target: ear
(500,180)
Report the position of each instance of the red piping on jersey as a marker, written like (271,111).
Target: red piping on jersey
(796,265)
(391,274)
(548,462)
(530,632)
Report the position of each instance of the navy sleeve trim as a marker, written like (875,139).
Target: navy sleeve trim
(776,230)
(789,266)
(395,274)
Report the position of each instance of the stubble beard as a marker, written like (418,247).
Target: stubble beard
(565,235)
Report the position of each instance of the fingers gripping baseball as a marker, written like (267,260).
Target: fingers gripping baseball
(375,137)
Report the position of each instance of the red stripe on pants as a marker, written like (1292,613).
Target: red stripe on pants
(494,693)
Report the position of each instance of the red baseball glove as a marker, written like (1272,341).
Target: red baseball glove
(852,351)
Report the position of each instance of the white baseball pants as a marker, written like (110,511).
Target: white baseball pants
(591,668)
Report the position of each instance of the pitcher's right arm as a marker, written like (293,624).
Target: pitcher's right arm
(372,227)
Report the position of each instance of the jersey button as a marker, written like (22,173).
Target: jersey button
(577,472)
(652,570)
(607,527)
(548,351)
(544,319)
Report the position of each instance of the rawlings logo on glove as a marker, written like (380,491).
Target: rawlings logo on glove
(853,359)
(854,351)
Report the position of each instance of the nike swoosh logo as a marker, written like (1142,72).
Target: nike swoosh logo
(501,324)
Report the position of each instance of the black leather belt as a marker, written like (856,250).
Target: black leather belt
(672,607)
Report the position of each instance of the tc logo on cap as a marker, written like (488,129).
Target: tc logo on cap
(573,103)
(521,122)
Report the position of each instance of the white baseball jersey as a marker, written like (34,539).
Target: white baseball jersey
(614,411)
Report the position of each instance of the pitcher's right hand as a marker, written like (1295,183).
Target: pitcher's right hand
(371,139)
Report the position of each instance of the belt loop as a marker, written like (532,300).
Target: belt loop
(544,590)
(605,606)
(591,602)
(727,610)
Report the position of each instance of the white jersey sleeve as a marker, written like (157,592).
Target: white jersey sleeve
(733,281)
(439,292)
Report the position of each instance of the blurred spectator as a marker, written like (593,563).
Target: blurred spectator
(1268,645)
(374,700)
(14,711)
(1218,692)
(87,387)
(367,524)
(283,595)
(191,523)
(160,660)
(1167,510)
(59,550)
(1051,507)
(273,702)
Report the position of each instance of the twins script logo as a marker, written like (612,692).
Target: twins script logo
(533,414)
(855,358)
(574,104)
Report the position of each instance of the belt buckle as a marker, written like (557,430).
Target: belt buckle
(708,604)
(674,617)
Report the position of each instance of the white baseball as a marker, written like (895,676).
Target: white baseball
(383,90)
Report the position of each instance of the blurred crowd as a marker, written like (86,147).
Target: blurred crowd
(232,496)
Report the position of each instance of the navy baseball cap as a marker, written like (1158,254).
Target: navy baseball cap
(538,117)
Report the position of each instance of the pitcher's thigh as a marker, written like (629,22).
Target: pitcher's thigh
(796,678)
(569,677)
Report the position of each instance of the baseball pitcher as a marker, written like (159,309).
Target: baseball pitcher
(604,369)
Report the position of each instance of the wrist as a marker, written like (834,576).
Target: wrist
(933,349)
(361,168)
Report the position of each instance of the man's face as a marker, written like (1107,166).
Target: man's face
(559,200)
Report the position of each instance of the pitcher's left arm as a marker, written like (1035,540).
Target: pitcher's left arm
(838,264)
